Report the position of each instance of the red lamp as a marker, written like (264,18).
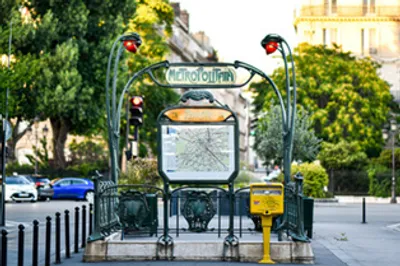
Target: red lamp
(271,47)
(130,46)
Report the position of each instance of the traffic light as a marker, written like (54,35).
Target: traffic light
(136,111)
(253,126)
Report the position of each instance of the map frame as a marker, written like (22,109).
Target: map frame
(232,120)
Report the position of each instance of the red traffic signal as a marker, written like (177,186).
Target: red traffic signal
(130,46)
(136,111)
(271,47)
(137,100)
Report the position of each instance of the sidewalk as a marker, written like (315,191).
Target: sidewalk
(323,257)
(339,229)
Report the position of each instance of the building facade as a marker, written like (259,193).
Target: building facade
(364,27)
(188,47)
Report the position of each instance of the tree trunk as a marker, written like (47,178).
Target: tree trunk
(60,129)
(15,137)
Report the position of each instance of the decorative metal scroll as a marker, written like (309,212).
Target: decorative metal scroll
(197,96)
(133,210)
(198,210)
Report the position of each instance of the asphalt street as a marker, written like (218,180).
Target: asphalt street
(24,213)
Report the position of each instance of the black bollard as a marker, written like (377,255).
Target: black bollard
(21,240)
(363,211)
(76,239)
(35,243)
(48,242)
(4,234)
(67,236)
(58,238)
(83,226)
(90,218)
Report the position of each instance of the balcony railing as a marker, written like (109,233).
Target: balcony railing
(350,11)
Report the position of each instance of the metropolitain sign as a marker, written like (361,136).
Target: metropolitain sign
(201,75)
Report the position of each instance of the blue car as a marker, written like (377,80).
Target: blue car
(74,188)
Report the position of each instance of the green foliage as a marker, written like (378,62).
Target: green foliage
(87,169)
(87,157)
(15,167)
(315,179)
(385,158)
(345,95)
(343,155)
(269,140)
(380,174)
(350,182)
(42,155)
(141,171)
(87,151)
(150,19)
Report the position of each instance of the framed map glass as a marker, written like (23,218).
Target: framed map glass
(198,153)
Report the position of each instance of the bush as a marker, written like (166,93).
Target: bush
(380,181)
(88,169)
(315,179)
(350,182)
(244,179)
(141,171)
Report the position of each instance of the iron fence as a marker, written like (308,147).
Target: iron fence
(138,211)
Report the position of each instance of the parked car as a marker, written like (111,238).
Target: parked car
(73,188)
(19,188)
(42,185)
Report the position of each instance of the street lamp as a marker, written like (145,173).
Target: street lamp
(45,130)
(272,43)
(392,132)
(130,42)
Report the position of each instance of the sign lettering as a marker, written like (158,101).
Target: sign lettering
(201,75)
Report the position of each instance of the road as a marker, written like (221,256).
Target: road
(25,213)
(339,229)
(339,236)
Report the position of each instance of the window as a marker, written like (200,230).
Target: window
(373,49)
(365,7)
(326,7)
(333,36)
(330,7)
(64,183)
(362,42)
(372,6)
(368,7)
(78,182)
(324,37)
(334,6)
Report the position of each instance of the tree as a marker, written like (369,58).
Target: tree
(343,155)
(20,78)
(269,142)
(152,21)
(346,97)
(72,41)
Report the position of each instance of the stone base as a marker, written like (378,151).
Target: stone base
(112,249)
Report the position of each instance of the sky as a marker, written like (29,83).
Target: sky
(236,27)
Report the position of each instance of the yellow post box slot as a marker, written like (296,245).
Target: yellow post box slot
(266,200)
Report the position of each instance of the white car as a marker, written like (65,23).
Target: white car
(18,188)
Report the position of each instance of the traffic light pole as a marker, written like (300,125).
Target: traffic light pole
(3,142)
(3,172)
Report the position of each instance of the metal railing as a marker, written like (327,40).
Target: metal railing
(137,210)
(349,11)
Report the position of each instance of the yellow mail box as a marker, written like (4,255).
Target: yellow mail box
(266,199)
